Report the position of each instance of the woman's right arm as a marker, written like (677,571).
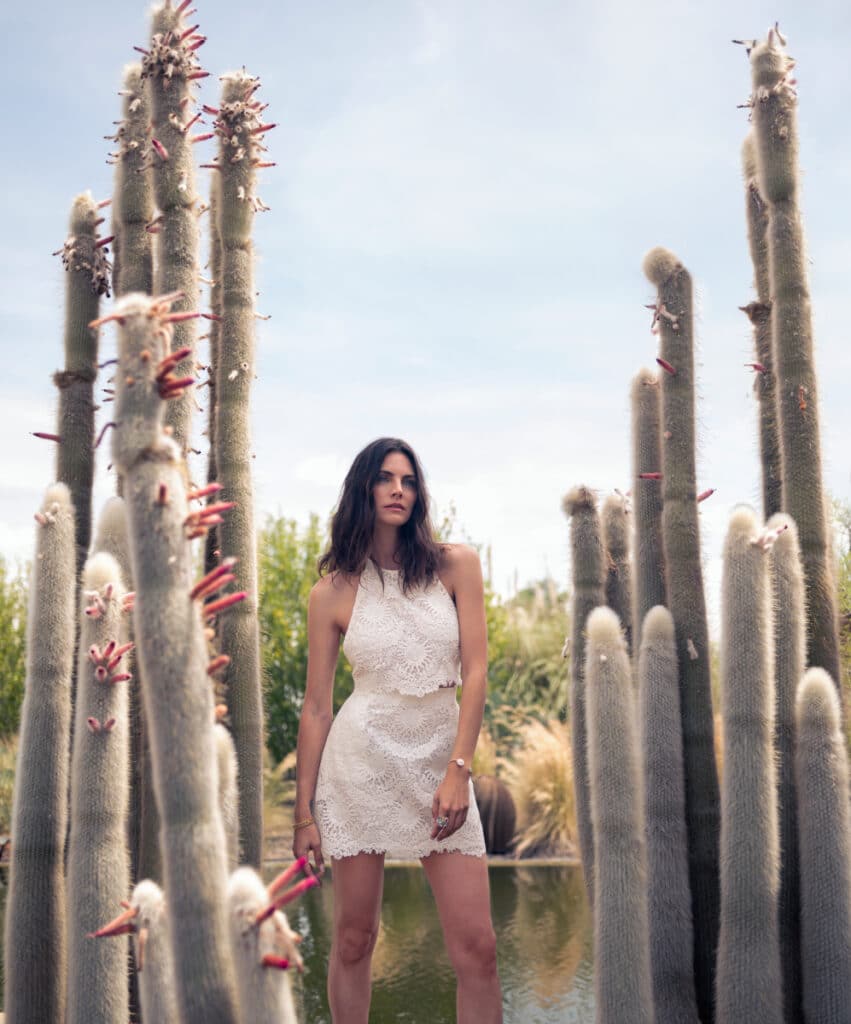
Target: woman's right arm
(323,647)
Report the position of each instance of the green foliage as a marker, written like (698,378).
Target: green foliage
(8,754)
(287,557)
(13,630)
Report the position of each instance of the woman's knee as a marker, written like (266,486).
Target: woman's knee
(355,941)
(474,951)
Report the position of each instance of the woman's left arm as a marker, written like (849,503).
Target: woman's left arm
(452,798)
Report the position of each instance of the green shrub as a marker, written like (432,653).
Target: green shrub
(13,629)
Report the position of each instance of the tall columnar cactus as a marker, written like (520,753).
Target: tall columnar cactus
(133,199)
(146,920)
(589,576)
(171,649)
(263,952)
(240,130)
(648,551)
(790,642)
(824,837)
(87,266)
(211,544)
(749,981)
(759,314)
(684,579)
(621,929)
(776,134)
(98,863)
(170,67)
(35,960)
(669,898)
(618,568)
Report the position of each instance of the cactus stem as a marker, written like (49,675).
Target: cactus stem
(705,494)
(47,437)
(649,476)
(219,662)
(666,366)
(222,603)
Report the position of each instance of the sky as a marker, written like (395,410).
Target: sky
(462,199)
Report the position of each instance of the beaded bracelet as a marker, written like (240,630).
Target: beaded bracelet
(303,824)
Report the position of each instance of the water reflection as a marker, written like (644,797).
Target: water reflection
(543,931)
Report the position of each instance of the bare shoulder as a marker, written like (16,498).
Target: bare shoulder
(460,565)
(329,591)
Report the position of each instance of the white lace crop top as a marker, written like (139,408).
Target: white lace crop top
(402,643)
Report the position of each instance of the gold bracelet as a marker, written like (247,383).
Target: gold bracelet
(303,824)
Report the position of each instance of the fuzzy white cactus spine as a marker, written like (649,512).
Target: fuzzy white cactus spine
(98,862)
(824,836)
(260,952)
(618,568)
(171,649)
(621,929)
(648,552)
(588,561)
(748,947)
(228,791)
(685,599)
(171,67)
(146,919)
(240,129)
(669,897)
(84,259)
(759,314)
(775,126)
(133,202)
(790,649)
(35,960)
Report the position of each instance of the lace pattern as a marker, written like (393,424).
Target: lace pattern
(389,746)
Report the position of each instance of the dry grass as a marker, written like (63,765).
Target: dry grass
(540,777)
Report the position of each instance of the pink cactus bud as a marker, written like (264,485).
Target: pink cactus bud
(666,366)
(279,962)
(101,674)
(198,74)
(196,44)
(757,367)
(216,584)
(110,647)
(212,575)
(95,655)
(48,437)
(264,128)
(119,654)
(202,137)
(104,203)
(649,476)
(211,316)
(104,429)
(159,149)
(141,49)
(41,518)
(187,33)
(104,241)
(202,492)
(219,662)
(705,494)
(223,602)
(109,725)
(162,495)
(286,876)
(120,677)
(93,724)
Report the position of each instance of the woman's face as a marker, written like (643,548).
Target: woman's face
(395,490)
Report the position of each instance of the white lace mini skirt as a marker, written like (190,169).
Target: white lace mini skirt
(385,755)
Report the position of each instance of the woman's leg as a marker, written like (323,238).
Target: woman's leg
(358,884)
(460,886)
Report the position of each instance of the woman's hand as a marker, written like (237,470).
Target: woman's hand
(451,801)
(307,839)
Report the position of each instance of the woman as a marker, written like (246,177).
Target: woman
(392,774)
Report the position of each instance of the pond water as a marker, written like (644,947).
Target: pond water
(544,945)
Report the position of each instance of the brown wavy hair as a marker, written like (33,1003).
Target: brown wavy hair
(354,518)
